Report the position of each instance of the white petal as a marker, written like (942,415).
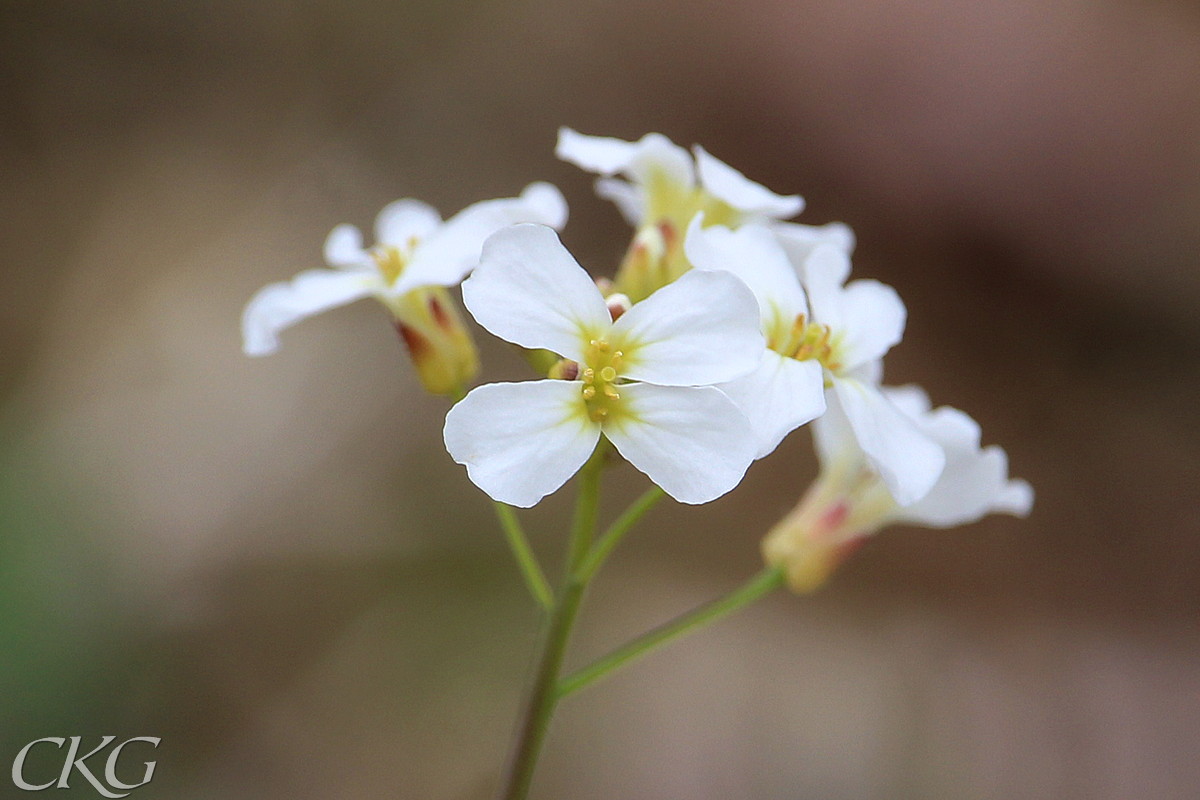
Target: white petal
(954,430)
(279,305)
(911,399)
(867,315)
(726,183)
(873,318)
(658,158)
(405,220)
(834,440)
(600,154)
(868,372)
(699,330)
(778,397)
(528,290)
(521,441)
(343,247)
(822,265)
(753,255)
(908,461)
(1015,498)
(627,197)
(691,441)
(652,154)
(973,484)
(453,250)
(800,240)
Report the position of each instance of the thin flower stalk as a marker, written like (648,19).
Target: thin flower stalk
(543,696)
(757,587)
(611,537)
(531,570)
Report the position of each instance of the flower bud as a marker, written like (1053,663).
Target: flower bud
(564,370)
(438,342)
(617,304)
(835,516)
(654,259)
(542,361)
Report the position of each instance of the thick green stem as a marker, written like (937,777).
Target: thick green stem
(535,579)
(543,696)
(761,584)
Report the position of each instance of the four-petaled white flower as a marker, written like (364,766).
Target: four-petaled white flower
(662,187)
(413,249)
(644,381)
(832,336)
(849,501)
(663,182)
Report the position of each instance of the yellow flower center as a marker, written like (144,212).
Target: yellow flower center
(599,377)
(391,260)
(805,341)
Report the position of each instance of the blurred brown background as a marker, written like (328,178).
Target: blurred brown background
(272,564)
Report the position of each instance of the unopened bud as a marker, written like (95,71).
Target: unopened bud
(654,259)
(542,361)
(829,523)
(438,342)
(618,304)
(564,370)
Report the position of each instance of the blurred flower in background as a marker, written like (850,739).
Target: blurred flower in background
(260,562)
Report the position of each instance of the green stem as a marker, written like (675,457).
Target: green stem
(761,584)
(543,696)
(587,506)
(612,537)
(535,579)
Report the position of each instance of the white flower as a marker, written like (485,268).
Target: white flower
(785,390)
(850,501)
(826,341)
(413,249)
(644,381)
(662,187)
(665,182)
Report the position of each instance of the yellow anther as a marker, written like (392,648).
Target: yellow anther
(390,262)
(805,341)
(600,378)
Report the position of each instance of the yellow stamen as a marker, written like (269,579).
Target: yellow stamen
(600,379)
(806,341)
(389,261)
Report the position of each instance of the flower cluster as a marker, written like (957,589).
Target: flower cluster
(724,328)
